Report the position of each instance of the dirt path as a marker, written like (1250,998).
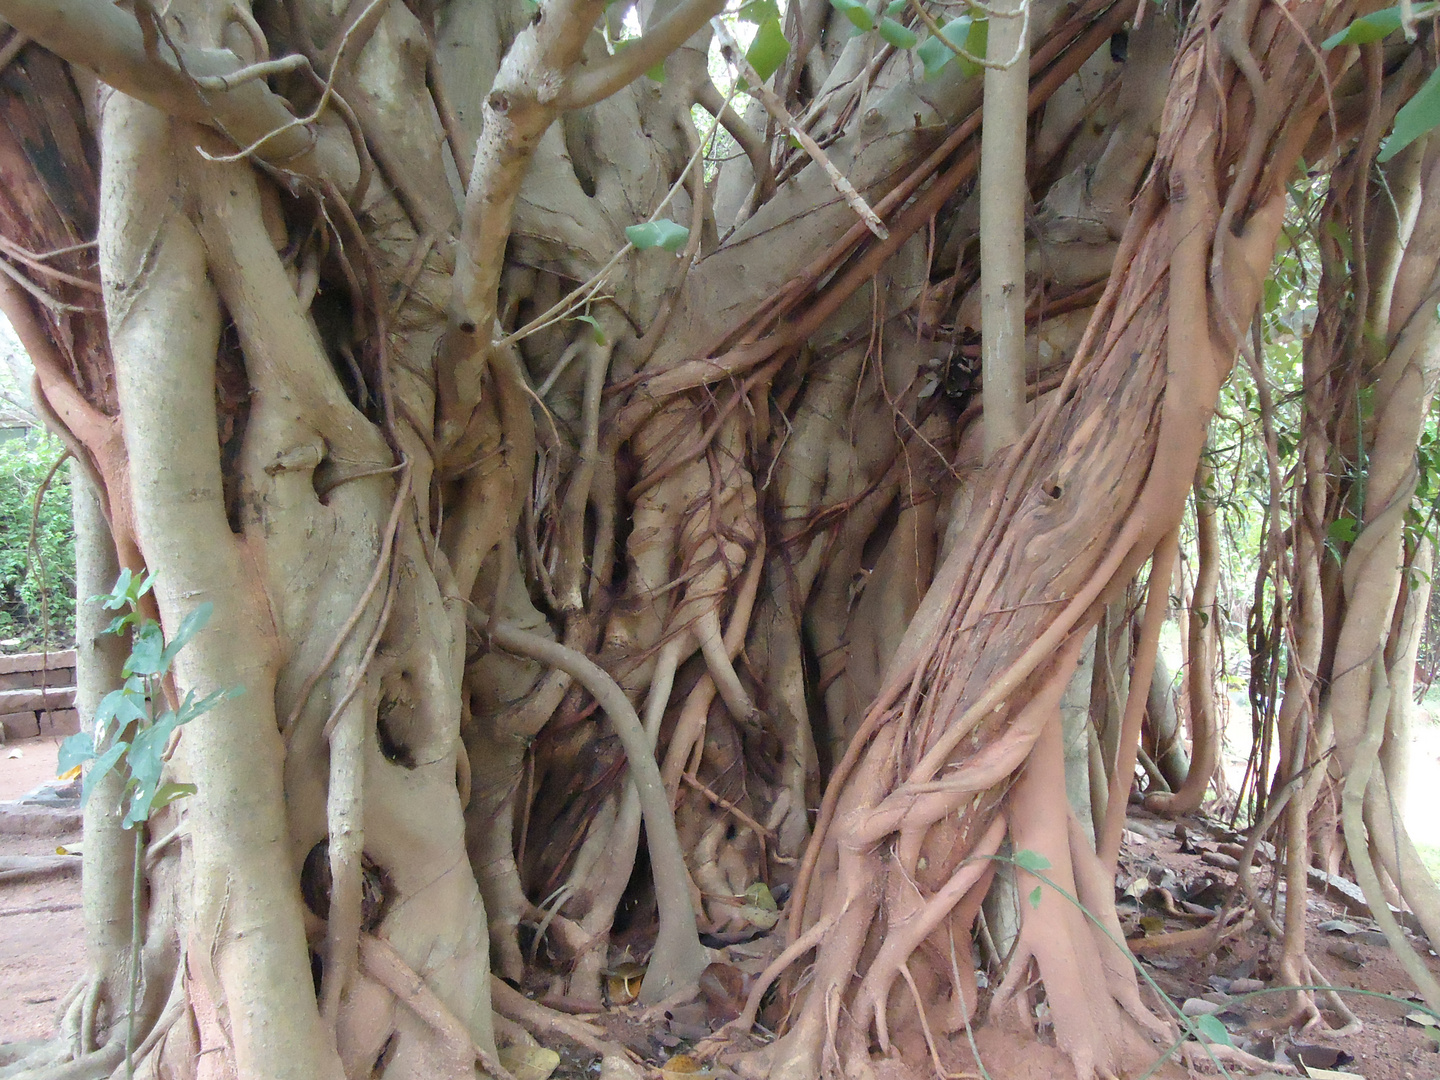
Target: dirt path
(41,934)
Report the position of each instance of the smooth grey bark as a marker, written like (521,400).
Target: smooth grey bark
(1003,199)
(109,849)
(164,335)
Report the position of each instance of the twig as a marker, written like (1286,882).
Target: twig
(725,804)
(263,70)
(101,36)
(363,21)
(36,263)
(34,290)
(776,108)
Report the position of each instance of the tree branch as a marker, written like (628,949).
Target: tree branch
(597,81)
(523,101)
(107,40)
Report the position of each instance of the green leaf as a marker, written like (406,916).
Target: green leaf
(896,8)
(1035,897)
(1032,861)
(758,895)
(114,600)
(74,750)
(657,73)
(147,753)
(758,12)
(1211,1027)
(191,625)
(769,49)
(976,44)
(1373,27)
(1419,115)
(902,37)
(661,233)
(146,652)
(120,622)
(122,706)
(139,589)
(856,12)
(1344,530)
(595,327)
(99,767)
(190,708)
(964,33)
(165,794)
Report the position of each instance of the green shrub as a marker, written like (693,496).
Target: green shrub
(49,569)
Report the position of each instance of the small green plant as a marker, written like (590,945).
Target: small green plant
(128,735)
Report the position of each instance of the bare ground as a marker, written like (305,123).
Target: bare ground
(41,936)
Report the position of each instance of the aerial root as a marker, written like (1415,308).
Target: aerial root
(1092,1028)
(905,936)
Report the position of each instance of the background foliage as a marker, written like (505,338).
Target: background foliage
(32,581)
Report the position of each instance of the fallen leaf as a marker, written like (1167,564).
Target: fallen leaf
(529,1062)
(1338,926)
(683,1065)
(1424,1019)
(1319,1059)
(622,983)
(758,895)
(723,987)
(758,916)
(15,753)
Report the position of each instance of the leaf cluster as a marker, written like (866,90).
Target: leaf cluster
(127,733)
(37,582)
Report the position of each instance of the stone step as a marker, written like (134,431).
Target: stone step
(37,661)
(27,713)
(36,699)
